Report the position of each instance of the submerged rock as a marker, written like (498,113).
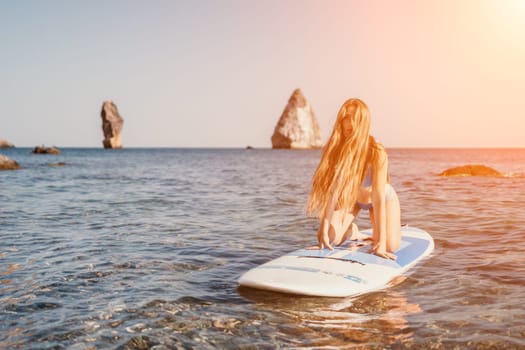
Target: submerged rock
(7,163)
(225,323)
(471,170)
(46,150)
(140,343)
(297,127)
(111,125)
(5,144)
(57,164)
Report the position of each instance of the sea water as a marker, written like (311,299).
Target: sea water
(142,248)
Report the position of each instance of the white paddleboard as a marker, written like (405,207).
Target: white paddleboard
(345,271)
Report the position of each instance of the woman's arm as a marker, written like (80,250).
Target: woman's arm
(379,181)
(324,227)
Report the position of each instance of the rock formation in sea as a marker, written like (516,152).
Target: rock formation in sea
(471,170)
(7,163)
(297,127)
(5,144)
(111,125)
(46,150)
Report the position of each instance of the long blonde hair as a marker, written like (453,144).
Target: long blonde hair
(344,161)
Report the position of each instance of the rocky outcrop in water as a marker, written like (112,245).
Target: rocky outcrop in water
(471,170)
(5,144)
(46,150)
(111,125)
(7,163)
(297,127)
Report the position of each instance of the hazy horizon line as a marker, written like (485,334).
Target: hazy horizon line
(248,147)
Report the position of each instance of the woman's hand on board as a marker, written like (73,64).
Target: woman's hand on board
(324,240)
(380,251)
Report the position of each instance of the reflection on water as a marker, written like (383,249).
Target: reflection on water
(143,248)
(376,318)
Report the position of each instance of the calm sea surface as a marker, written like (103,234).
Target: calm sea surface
(142,248)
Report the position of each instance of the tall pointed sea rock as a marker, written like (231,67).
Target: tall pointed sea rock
(111,125)
(297,127)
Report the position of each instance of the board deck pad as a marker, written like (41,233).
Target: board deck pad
(345,271)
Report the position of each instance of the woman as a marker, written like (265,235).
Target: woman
(352,175)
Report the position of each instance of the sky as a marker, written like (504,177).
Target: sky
(218,73)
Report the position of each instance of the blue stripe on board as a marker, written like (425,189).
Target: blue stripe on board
(354,279)
(318,253)
(367,258)
(406,255)
(411,249)
(314,270)
(283,267)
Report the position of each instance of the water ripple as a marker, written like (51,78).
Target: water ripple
(143,248)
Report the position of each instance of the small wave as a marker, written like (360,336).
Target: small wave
(515,175)
(33,307)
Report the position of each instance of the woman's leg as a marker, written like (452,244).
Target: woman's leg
(340,226)
(393,222)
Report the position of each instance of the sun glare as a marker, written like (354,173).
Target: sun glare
(518,6)
(512,9)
